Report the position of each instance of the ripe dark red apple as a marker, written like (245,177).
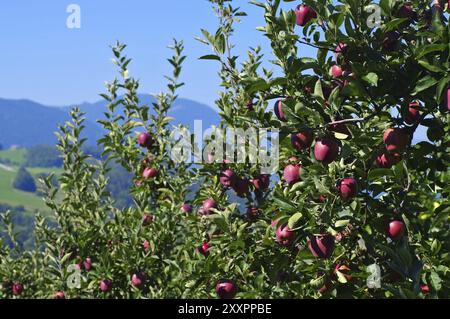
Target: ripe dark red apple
(145,140)
(87,263)
(340,48)
(149,172)
(322,199)
(326,150)
(60,295)
(302,140)
(241,187)
(146,245)
(395,139)
(138,279)
(447,97)
(390,40)
(203,249)
(253,212)
(425,289)
(226,289)
(292,173)
(304,14)
(336,71)
(277,108)
(186,208)
(17,288)
(387,160)
(396,229)
(147,219)
(348,188)
(105,285)
(308,89)
(344,270)
(207,205)
(284,235)
(326,287)
(321,246)
(261,182)
(406,11)
(227,178)
(412,114)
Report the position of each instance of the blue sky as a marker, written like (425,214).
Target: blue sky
(43,60)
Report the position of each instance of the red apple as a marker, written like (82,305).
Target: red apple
(425,289)
(261,182)
(226,289)
(149,172)
(145,140)
(302,140)
(277,108)
(304,14)
(284,235)
(17,288)
(292,173)
(396,229)
(326,150)
(138,279)
(203,249)
(321,246)
(407,11)
(241,187)
(412,114)
(146,245)
(390,40)
(253,212)
(227,178)
(336,71)
(60,295)
(340,48)
(387,160)
(447,97)
(207,205)
(87,264)
(344,270)
(348,188)
(186,208)
(395,139)
(105,285)
(147,219)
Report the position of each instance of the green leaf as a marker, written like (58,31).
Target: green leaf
(209,57)
(341,278)
(430,67)
(341,223)
(371,78)
(380,172)
(424,50)
(294,219)
(424,83)
(436,281)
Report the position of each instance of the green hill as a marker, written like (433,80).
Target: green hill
(10,161)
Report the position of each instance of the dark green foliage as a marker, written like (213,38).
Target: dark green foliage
(43,156)
(24,181)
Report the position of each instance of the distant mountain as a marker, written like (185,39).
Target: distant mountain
(184,111)
(26,123)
